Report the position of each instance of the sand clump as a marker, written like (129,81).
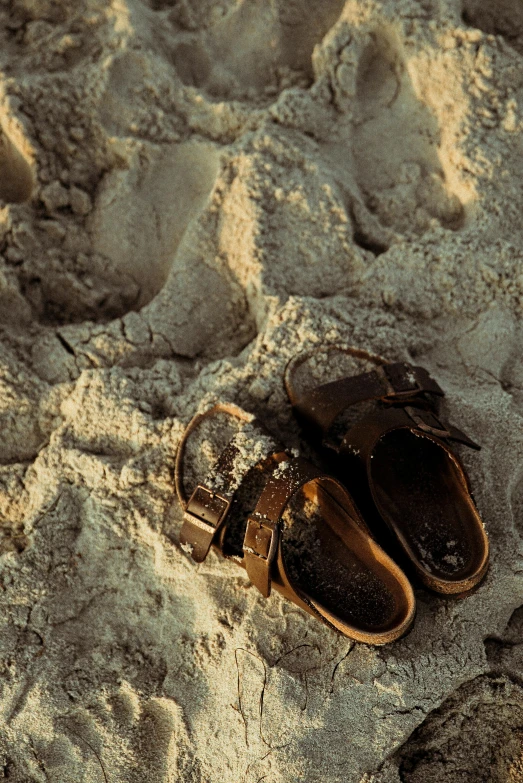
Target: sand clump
(191,194)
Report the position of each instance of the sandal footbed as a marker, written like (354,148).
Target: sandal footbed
(416,481)
(331,557)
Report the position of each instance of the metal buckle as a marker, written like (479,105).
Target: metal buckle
(206,509)
(400,378)
(417,417)
(261,538)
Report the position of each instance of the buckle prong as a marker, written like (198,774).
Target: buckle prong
(260,546)
(261,538)
(206,509)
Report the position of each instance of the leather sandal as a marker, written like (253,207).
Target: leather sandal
(404,449)
(290,525)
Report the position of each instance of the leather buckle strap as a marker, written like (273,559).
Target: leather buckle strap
(403,380)
(393,383)
(262,537)
(205,513)
(261,542)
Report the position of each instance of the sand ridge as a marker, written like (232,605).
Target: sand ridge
(192,193)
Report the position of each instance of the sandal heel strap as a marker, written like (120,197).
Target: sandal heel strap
(205,514)
(361,439)
(207,508)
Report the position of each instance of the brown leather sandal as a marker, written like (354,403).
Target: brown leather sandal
(413,477)
(292,527)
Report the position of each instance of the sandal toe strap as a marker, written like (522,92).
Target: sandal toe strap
(262,536)
(363,436)
(395,382)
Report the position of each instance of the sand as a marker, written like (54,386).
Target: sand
(191,193)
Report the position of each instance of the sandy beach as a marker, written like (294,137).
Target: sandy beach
(191,193)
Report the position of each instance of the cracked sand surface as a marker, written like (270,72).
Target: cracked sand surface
(191,193)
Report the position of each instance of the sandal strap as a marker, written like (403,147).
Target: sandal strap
(229,408)
(262,536)
(362,437)
(206,510)
(395,382)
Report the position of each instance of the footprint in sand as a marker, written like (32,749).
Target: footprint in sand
(254,49)
(128,741)
(504,17)
(139,234)
(143,211)
(396,140)
(155,222)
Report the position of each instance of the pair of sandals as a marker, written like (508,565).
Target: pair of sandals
(297,528)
